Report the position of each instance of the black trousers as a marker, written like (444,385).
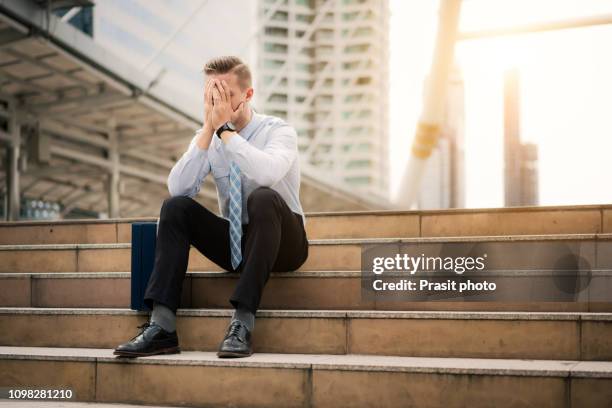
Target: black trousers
(273,240)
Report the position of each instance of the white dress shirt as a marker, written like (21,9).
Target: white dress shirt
(266,152)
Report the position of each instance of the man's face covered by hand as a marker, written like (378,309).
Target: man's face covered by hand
(231,80)
(228,98)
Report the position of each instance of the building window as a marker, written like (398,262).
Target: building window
(276,31)
(303,67)
(272,47)
(358,164)
(273,63)
(280,16)
(358,181)
(83,20)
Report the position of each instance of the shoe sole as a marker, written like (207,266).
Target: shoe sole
(171,350)
(231,354)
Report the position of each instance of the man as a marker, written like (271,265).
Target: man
(254,161)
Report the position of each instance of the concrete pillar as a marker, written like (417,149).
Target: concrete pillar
(428,127)
(5,202)
(113,176)
(12,167)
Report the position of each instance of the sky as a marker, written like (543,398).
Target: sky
(566,94)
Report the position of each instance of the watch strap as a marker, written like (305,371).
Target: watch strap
(223,128)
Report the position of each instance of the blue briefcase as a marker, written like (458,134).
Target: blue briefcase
(144,237)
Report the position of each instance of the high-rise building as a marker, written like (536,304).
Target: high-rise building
(323,66)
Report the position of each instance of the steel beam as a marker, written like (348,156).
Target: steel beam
(428,127)
(538,27)
(74,134)
(39,62)
(96,100)
(10,37)
(135,142)
(125,169)
(26,83)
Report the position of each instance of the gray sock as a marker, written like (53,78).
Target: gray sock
(245,316)
(164,317)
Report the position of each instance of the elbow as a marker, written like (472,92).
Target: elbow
(273,174)
(175,189)
(172,187)
(179,187)
(266,180)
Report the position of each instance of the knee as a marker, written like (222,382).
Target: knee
(175,207)
(262,200)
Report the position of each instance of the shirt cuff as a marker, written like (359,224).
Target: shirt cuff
(234,143)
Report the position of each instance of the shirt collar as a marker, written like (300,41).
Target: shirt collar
(249,129)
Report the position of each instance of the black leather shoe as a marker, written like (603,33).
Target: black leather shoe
(237,341)
(151,340)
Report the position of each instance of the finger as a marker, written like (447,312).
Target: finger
(238,112)
(216,95)
(206,91)
(240,107)
(221,91)
(226,90)
(209,99)
(214,86)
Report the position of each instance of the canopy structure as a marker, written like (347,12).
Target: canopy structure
(84,128)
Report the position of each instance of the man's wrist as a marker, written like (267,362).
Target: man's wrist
(218,126)
(205,137)
(226,136)
(208,128)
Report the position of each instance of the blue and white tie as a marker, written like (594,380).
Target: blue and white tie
(235,214)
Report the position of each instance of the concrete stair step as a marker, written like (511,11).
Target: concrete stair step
(117,257)
(310,290)
(364,224)
(298,380)
(524,335)
(324,254)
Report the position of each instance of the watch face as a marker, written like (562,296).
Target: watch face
(231,126)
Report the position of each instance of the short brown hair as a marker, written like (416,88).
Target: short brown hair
(228,63)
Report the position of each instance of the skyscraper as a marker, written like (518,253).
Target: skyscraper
(323,65)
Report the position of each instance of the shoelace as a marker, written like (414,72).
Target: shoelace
(143,327)
(234,330)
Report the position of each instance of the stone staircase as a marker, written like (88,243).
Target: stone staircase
(64,305)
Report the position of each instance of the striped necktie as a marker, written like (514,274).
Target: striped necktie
(235,214)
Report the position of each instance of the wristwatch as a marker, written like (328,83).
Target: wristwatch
(226,126)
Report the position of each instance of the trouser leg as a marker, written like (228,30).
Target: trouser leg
(275,241)
(184,222)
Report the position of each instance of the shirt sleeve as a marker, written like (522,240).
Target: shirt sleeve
(269,165)
(187,175)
